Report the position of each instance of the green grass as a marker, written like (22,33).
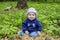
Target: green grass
(12,20)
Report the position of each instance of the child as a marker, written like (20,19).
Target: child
(31,25)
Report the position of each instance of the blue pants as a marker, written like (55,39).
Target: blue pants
(33,34)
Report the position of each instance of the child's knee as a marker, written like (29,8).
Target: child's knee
(33,34)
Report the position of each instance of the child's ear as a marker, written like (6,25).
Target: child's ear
(37,15)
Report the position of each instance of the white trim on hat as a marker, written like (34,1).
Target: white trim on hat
(31,10)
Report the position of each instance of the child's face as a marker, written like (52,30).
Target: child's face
(31,16)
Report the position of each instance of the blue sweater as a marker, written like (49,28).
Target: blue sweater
(31,26)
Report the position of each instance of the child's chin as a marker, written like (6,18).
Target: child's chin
(31,19)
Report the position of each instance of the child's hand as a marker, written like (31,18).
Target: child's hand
(26,32)
(39,33)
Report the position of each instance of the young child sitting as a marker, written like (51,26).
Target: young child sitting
(31,25)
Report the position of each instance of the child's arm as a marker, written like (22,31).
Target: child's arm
(39,27)
(24,27)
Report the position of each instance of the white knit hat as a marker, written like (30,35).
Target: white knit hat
(31,10)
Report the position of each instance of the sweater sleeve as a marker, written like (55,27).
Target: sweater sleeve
(24,27)
(39,26)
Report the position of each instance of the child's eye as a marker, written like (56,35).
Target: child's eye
(33,15)
(29,14)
